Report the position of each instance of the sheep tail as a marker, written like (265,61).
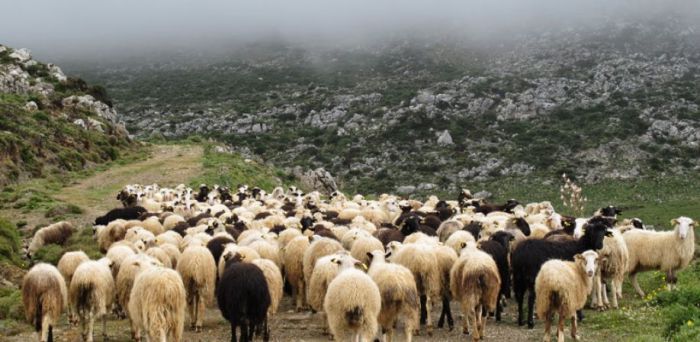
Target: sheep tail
(38,315)
(554,299)
(85,292)
(354,316)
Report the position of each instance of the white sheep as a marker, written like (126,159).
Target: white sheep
(44,297)
(198,271)
(293,256)
(363,246)
(421,260)
(91,294)
(352,304)
(318,248)
(399,295)
(157,305)
(562,287)
(130,268)
(614,258)
(57,233)
(668,251)
(475,283)
(275,284)
(66,265)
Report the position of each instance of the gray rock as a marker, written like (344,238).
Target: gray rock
(405,189)
(445,138)
(483,194)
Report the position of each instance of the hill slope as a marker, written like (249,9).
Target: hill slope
(616,100)
(52,123)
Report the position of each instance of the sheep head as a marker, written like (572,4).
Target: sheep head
(589,261)
(683,225)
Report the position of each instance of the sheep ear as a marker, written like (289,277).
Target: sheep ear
(674,222)
(370,255)
(578,257)
(463,244)
(608,233)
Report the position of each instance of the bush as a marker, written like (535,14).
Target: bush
(49,253)
(11,304)
(10,242)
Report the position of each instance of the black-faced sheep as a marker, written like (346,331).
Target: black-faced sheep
(399,295)
(352,304)
(57,233)
(91,294)
(562,287)
(243,298)
(475,283)
(44,296)
(157,305)
(668,251)
(530,254)
(131,213)
(198,271)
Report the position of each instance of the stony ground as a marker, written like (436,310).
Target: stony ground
(289,325)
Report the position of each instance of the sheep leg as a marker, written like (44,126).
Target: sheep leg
(604,293)
(266,331)
(45,326)
(476,323)
(520,297)
(233,333)
(200,314)
(450,320)
(91,325)
(574,327)
(635,284)
(423,311)
(499,309)
(481,313)
(465,322)
(560,326)
(547,327)
(470,319)
(104,327)
(428,311)
(595,294)
(389,334)
(531,307)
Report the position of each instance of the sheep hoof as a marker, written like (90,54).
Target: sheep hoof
(429,330)
(198,329)
(465,331)
(450,327)
(576,338)
(530,325)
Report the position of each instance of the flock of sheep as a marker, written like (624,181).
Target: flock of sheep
(362,263)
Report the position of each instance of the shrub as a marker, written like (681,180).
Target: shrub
(10,242)
(11,304)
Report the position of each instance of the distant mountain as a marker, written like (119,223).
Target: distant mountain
(50,122)
(613,101)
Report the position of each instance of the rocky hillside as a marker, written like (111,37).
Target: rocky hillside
(616,100)
(50,122)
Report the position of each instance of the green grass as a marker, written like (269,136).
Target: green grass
(10,243)
(232,169)
(656,200)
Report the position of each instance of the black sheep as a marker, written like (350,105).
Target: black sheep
(192,221)
(181,228)
(412,224)
(507,207)
(609,211)
(386,235)
(475,228)
(216,246)
(432,221)
(244,299)
(498,246)
(130,213)
(528,257)
(203,193)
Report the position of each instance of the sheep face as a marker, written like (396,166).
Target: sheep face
(594,234)
(683,225)
(610,211)
(589,259)
(637,223)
